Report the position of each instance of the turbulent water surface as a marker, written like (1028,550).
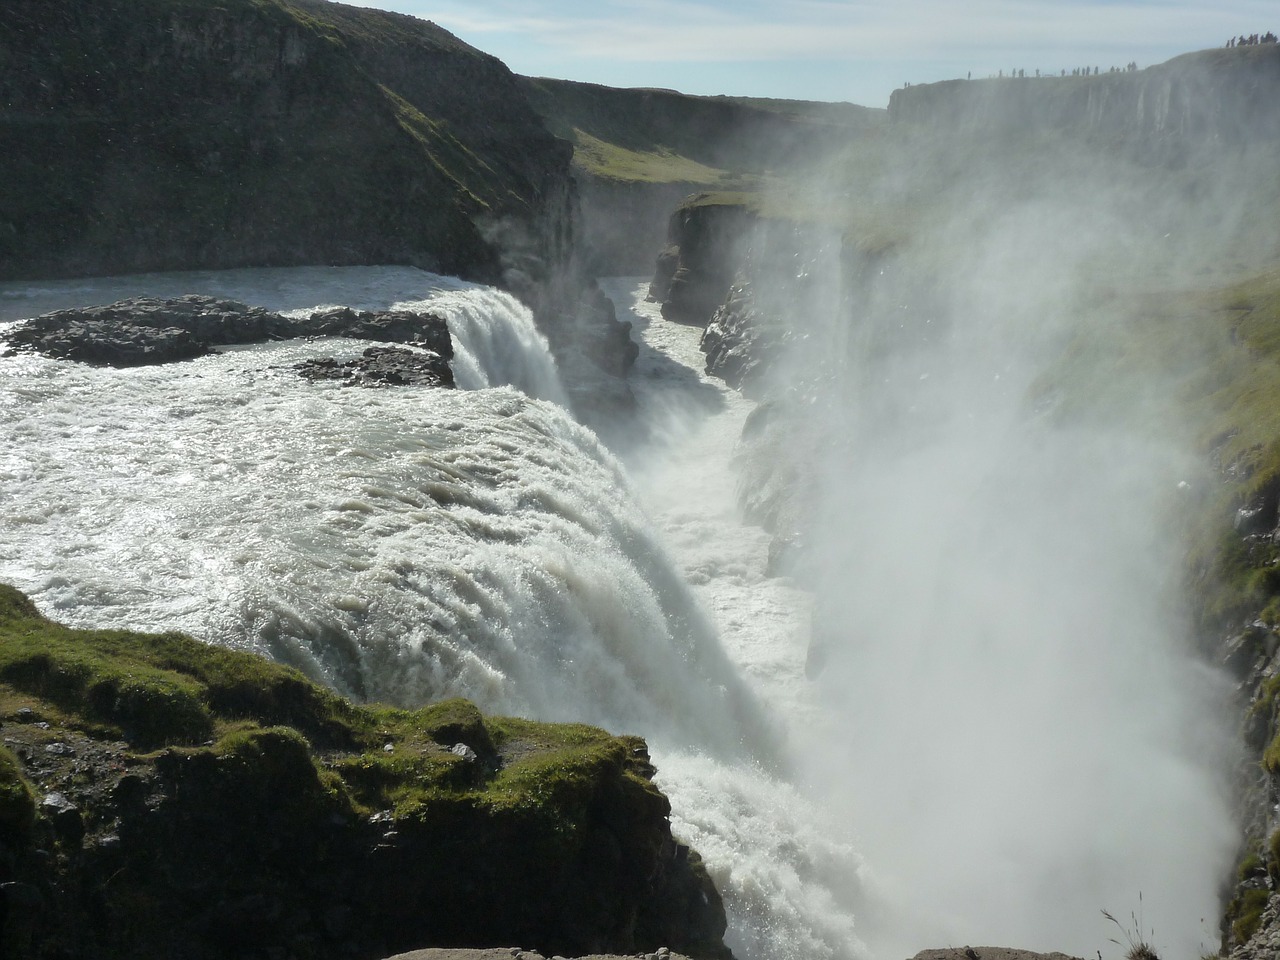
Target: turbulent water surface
(410,544)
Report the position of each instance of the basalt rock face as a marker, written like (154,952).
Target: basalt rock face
(761,287)
(706,241)
(382,367)
(162,135)
(161,797)
(144,330)
(594,353)
(767,291)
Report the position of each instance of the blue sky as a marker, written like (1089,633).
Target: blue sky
(829,49)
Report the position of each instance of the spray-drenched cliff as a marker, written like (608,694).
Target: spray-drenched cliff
(1078,245)
(1198,100)
(180,134)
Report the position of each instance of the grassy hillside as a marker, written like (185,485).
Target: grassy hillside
(172,134)
(724,136)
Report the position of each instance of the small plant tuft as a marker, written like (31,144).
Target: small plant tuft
(1137,947)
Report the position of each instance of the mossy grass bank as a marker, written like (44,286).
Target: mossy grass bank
(153,787)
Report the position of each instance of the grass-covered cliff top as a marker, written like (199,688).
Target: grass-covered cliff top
(168,692)
(162,797)
(662,136)
(183,134)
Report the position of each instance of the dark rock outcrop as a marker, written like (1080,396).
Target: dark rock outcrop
(383,367)
(146,330)
(594,353)
(707,236)
(741,341)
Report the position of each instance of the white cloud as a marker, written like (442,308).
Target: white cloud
(828,49)
(829,29)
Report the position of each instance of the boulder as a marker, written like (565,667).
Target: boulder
(383,367)
(146,330)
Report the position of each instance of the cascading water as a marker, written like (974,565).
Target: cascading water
(794,884)
(399,545)
(407,545)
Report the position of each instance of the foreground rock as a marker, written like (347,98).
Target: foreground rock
(145,330)
(988,953)
(164,798)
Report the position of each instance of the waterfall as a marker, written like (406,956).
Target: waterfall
(398,545)
(405,545)
(495,342)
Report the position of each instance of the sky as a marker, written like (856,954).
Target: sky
(852,50)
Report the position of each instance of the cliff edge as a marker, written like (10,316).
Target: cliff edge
(160,797)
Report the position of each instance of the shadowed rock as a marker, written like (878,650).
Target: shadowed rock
(145,330)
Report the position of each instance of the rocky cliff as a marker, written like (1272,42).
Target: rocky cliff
(640,152)
(160,797)
(181,134)
(1199,100)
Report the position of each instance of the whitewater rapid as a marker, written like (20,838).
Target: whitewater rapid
(794,884)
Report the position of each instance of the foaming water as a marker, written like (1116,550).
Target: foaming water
(496,342)
(406,545)
(401,545)
(794,883)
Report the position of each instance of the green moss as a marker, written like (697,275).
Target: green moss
(95,676)
(17,801)
(273,732)
(1251,865)
(450,722)
(446,152)
(611,161)
(1245,913)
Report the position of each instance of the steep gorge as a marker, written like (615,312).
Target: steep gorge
(1084,250)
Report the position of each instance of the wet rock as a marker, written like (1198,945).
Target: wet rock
(694,272)
(740,341)
(21,896)
(383,367)
(64,815)
(147,330)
